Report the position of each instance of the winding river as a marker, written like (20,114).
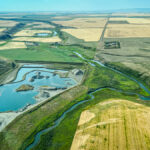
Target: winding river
(91,94)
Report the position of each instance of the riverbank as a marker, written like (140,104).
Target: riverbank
(44,115)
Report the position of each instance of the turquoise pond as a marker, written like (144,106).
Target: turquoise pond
(42,34)
(10,100)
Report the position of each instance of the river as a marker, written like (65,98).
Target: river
(58,121)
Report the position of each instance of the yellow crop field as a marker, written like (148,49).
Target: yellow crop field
(4,23)
(84,22)
(36,39)
(114,124)
(130,32)
(86,34)
(13,45)
(29,32)
(40,25)
(132,20)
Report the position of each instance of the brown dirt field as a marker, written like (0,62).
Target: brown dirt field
(36,39)
(121,32)
(29,32)
(132,20)
(86,34)
(118,125)
(84,22)
(13,45)
(128,26)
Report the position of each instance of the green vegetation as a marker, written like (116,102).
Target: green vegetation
(54,140)
(42,52)
(62,56)
(48,52)
(5,67)
(25,87)
(43,116)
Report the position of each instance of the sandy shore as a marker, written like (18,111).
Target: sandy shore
(6,118)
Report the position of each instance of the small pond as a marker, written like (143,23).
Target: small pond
(42,34)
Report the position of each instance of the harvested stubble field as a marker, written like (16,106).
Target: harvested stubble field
(86,34)
(84,22)
(36,39)
(113,124)
(13,45)
(4,23)
(40,25)
(132,20)
(127,31)
(29,32)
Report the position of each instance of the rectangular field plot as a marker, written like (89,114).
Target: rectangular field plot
(84,22)
(36,39)
(28,32)
(4,23)
(113,124)
(13,45)
(87,34)
(132,20)
(127,31)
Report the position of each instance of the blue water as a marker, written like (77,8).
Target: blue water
(10,100)
(42,34)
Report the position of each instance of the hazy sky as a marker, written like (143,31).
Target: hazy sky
(70,5)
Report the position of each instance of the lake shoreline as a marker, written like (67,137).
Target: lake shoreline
(7,117)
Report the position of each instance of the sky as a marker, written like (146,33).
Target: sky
(71,5)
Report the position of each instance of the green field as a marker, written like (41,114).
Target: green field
(26,126)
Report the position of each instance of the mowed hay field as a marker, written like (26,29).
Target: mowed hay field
(114,124)
(28,32)
(86,34)
(36,39)
(127,31)
(84,23)
(4,23)
(13,45)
